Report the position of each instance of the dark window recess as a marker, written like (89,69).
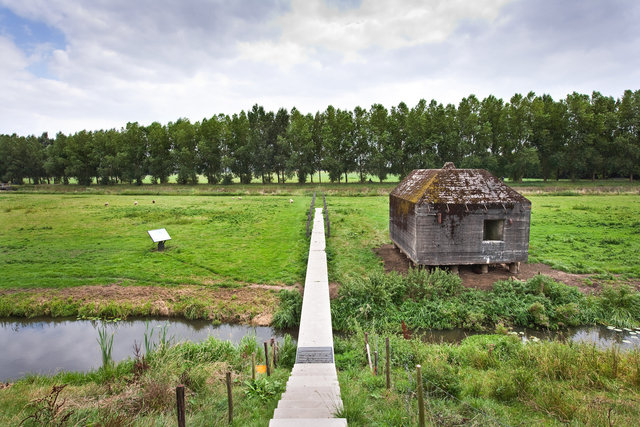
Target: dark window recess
(493,229)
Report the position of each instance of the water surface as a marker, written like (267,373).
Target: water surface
(47,346)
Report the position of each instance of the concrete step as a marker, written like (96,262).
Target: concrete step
(299,374)
(328,397)
(309,422)
(313,379)
(303,413)
(313,367)
(286,403)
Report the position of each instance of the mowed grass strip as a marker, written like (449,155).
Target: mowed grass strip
(67,240)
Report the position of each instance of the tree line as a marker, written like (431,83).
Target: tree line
(580,136)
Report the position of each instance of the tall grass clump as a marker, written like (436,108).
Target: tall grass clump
(105,341)
(289,310)
(437,300)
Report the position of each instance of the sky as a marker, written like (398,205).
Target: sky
(69,65)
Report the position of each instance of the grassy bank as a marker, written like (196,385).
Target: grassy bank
(437,300)
(485,380)
(141,391)
(490,380)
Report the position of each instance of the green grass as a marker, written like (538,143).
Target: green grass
(141,392)
(437,300)
(61,240)
(484,380)
(489,380)
(577,234)
(70,240)
(587,234)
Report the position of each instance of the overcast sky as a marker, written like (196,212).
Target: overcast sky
(68,65)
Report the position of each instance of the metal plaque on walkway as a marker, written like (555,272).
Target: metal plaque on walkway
(314,355)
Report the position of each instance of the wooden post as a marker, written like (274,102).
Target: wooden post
(420,398)
(266,358)
(229,397)
(388,364)
(375,363)
(273,352)
(253,366)
(366,346)
(180,405)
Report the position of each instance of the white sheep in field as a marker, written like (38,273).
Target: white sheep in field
(106,204)
(135,203)
(290,200)
(239,197)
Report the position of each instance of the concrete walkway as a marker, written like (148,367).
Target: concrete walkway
(312,396)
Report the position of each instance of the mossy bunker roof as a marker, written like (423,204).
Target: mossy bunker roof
(456,186)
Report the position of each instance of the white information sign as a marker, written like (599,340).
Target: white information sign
(159,235)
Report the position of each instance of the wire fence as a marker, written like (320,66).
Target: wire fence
(437,410)
(327,223)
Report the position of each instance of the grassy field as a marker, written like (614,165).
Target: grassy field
(577,234)
(486,380)
(65,240)
(52,244)
(68,240)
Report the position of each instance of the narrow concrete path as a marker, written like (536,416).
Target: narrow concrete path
(312,396)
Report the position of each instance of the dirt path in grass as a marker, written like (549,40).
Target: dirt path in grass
(394,260)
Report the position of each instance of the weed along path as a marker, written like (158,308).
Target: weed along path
(312,396)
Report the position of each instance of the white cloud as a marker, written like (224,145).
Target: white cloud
(151,60)
(386,24)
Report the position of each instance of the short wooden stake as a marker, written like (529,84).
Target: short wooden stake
(266,358)
(386,343)
(273,352)
(420,398)
(180,405)
(229,397)
(253,366)
(375,362)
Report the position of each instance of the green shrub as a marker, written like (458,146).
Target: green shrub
(441,380)
(287,352)
(289,310)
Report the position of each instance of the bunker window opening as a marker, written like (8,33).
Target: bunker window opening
(493,229)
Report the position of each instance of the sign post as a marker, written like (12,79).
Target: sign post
(159,236)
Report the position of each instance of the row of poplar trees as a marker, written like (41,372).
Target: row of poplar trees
(580,136)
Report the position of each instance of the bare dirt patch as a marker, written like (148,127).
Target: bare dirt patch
(394,260)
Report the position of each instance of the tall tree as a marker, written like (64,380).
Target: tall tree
(161,164)
(579,134)
(211,135)
(379,145)
(83,158)
(300,142)
(133,156)
(627,138)
(240,151)
(183,138)
(397,153)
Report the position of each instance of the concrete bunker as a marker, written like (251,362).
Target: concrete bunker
(451,217)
